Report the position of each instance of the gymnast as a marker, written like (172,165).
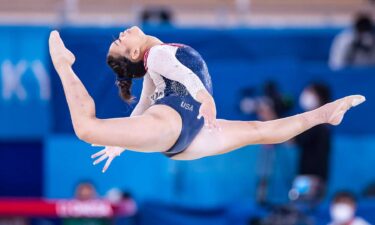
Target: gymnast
(176,113)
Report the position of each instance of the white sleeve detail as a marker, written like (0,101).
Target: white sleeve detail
(144,103)
(164,62)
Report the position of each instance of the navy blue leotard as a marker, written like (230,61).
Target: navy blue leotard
(179,72)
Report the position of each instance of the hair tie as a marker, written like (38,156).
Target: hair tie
(124,78)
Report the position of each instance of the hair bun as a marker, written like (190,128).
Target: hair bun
(124,90)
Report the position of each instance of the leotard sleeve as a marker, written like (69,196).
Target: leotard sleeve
(164,62)
(144,103)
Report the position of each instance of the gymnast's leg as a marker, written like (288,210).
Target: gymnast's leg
(156,130)
(236,134)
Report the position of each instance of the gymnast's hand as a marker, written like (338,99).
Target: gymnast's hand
(208,110)
(109,152)
(60,55)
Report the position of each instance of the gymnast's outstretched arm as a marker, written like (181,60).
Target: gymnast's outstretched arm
(144,103)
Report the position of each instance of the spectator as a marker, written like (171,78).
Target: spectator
(85,191)
(314,145)
(125,207)
(266,104)
(269,104)
(343,208)
(156,16)
(355,46)
(124,201)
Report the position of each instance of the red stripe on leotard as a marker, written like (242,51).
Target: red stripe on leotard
(145,56)
(174,44)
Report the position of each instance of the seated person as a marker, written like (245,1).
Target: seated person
(355,46)
(343,208)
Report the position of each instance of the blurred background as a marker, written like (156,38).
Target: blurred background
(267,59)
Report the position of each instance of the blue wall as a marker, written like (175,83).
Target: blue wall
(21,168)
(25,88)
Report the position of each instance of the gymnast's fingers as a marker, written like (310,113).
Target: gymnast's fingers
(107,164)
(211,119)
(209,123)
(99,153)
(216,125)
(213,125)
(103,157)
(206,121)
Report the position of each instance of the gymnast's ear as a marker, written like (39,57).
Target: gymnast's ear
(135,53)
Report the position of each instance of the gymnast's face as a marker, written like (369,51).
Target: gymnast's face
(128,44)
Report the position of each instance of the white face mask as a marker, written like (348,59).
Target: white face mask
(308,101)
(342,213)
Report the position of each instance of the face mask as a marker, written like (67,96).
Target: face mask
(308,101)
(342,213)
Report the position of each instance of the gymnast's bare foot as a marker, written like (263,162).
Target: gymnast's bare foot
(334,112)
(60,55)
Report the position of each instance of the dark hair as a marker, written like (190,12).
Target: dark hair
(363,23)
(344,195)
(125,71)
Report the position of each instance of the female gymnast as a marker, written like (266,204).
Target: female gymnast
(176,93)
